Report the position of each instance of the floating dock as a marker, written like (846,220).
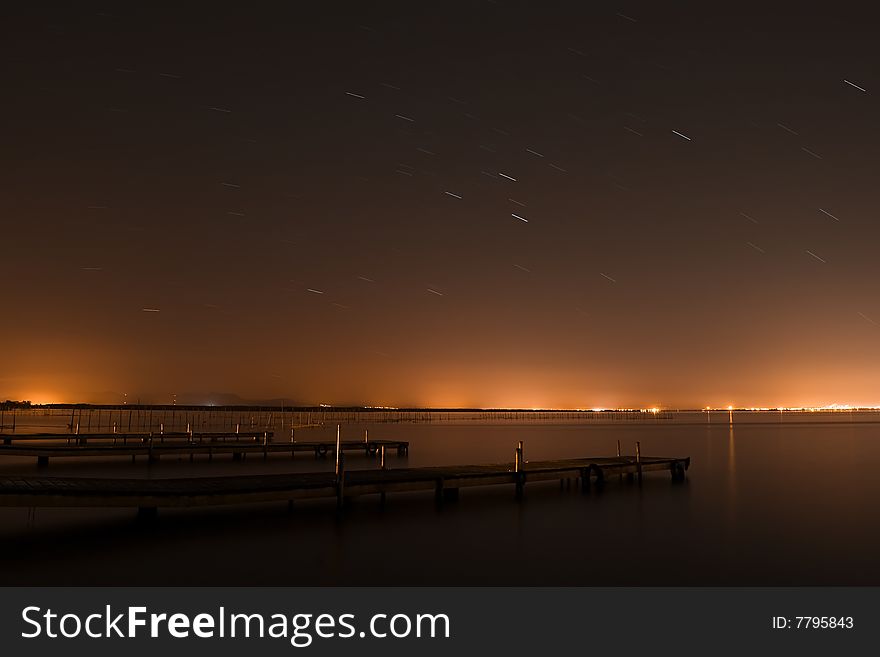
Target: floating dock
(148,495)
(154,446)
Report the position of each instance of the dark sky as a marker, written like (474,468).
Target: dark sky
(319,202)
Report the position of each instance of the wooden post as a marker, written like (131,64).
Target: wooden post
(519,475)
(620,476)
(338,449)
(639,460)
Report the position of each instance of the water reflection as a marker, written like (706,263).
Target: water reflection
(731,480)
(739,518)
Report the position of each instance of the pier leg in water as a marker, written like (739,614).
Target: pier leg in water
(678,471)
(438,492)
(340,470)
(600,477)
(639,461)
(619,477)
(519,473)
(340,482)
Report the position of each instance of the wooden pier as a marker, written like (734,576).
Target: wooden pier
(154,446)
(124,437)
(148,495)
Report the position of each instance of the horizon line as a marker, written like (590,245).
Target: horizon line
(654,410)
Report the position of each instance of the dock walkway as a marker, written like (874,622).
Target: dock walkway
(445,481)
(154,446)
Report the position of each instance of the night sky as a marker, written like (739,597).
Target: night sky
(518,204)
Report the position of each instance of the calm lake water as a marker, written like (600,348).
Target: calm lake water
(774,499)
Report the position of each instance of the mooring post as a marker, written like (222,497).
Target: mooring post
(639,460)
(519,475)
(338,448)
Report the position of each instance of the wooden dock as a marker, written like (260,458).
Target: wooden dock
(124,437)
(445,482)
(154,446)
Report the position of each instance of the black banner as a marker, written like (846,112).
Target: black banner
(437,621)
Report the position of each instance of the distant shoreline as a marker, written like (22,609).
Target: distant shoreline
(413,409)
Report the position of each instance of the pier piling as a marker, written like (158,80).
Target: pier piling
(519,470)
(446,481)
(639,461)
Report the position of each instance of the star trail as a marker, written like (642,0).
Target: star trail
(352,196)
